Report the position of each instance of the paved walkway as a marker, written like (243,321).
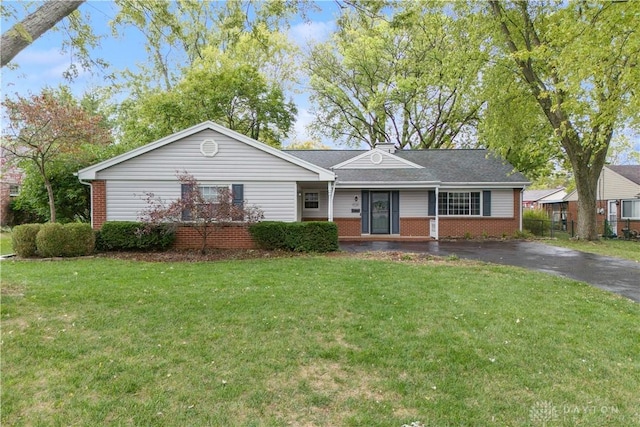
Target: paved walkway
(611,274)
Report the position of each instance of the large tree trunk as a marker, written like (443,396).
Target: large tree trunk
(586,175)
(587,214)
(33,26)
(52,206)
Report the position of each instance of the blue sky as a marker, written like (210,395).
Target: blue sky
(42,64)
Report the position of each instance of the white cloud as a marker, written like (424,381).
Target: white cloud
(310,32)
(33,57)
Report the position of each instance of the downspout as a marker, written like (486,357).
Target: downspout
(331,193)
(521,208)
(437,215)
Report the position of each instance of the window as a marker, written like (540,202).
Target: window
(14,190)
(631,209)
(311,200)
(459,203)
(211,194)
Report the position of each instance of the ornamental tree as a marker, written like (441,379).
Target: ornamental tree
(43,129)
(203,212)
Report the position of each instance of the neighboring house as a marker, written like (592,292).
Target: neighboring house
(618,199)
(550,200)
(10,181)
(379,193)
(533,199)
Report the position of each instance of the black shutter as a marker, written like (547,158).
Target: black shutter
(185,189)
(486,203)
(237,190)
(364,200)
(431,203)
(395,212)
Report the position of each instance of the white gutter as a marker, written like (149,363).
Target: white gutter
(521,208)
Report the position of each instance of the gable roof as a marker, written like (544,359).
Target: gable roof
(536,195)
(397,162)
(465,167)
(631,172)
(89,173)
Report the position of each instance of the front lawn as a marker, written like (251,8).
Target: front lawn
(628,249)
(5,243)
(312,340)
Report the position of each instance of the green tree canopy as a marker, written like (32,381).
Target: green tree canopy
(399,74)
(565,77)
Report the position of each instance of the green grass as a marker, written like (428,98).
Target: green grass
(312,341)
(5,244)
(627,249)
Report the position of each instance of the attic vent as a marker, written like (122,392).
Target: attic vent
(209,148)
(376,158)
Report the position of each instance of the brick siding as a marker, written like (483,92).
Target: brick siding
(348,227)
(414,227)
(98,204)
(477,227)
(231,236)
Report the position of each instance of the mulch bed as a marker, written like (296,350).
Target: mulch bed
(241,254)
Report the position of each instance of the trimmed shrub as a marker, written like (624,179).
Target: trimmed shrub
(536,221)
(132,235)
(312,236)
(81,239)
(51,240)
(23,239)
(68,240)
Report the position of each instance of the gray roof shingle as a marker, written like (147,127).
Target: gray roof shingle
(459,166)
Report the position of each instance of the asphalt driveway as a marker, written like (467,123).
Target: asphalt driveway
(611,274)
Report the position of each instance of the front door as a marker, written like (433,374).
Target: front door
(380,212)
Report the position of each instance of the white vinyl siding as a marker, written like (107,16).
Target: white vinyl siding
(125,199)
(376,160)
(344,201)
(611,186)
(234,161)
(502,203)
(413,204)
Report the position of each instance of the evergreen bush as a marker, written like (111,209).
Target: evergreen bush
(132,235)
(312,236)
(23,239)
(51,240)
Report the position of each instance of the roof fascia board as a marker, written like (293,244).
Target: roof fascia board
(90,172)
(485,184)
(386,184)
(383,153)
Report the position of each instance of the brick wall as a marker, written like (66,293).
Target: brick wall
(348,227)
(98,204)
(477,227)
(232,236)
(417,227)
